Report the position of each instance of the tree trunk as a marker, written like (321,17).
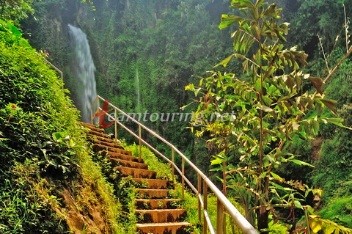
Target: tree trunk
(263,220)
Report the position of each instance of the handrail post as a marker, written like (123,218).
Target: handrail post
(220,229)
(183,178)
(115,116)
(199,189)
(139,141)
(205,200)
(173,161)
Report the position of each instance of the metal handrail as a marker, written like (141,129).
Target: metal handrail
(204,183)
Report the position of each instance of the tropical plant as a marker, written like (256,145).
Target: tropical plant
(252,115)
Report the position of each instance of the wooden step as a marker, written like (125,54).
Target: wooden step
(160,228)
(136,173)
(125,157)
(98,133)
(119,152)
(92,127)
(153,183)
(152,193)
(160,215)
(106,143)
(107,151)
(94,137)
(129,163)
(115,148)
(150,204)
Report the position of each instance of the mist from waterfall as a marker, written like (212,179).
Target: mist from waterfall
(82,85)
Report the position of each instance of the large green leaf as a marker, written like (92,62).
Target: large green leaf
(227,20)
(300,163)
(241,4)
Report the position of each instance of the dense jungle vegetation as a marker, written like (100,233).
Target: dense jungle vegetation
(146,52)
(50,182)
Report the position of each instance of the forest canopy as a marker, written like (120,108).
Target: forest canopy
(275,77)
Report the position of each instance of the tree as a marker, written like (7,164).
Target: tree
(251,116)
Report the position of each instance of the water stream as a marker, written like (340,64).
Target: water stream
(83,86)
(138,93)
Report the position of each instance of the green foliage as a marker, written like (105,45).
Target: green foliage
(40,141)
(29,136)
(11,35)
(259,110)
(332,174)
(31,100)
(22,209)
(25,106)
(339,210)
(15,10)
(320,225)
(324,18)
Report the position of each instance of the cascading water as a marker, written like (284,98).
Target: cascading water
(83,86)
(138,94)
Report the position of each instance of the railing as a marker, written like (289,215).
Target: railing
(204,184)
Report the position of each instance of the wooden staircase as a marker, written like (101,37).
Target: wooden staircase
(156,210)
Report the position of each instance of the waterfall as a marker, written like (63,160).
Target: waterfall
(82,85)
(138,93)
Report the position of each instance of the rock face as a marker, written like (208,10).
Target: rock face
(157,212)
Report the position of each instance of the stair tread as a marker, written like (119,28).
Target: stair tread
(92,132)
(135,172)
(146,179)
(105,142)
(121,152)
(146,189)
(105,138)
(92,126)
(140,169)
(163,224)
(157,199)
(115,148)
(125,157)
(138,165)
(160,210)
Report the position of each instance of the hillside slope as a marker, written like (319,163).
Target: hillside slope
(49,181)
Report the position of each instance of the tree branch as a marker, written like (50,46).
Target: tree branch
(338,64)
